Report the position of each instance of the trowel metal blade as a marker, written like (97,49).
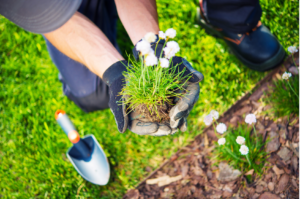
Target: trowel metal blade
(96,168)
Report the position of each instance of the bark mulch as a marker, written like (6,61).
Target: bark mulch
(190,172)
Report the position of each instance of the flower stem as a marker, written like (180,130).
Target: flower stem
(156,45)
(256,138)
(214,128)
(143,75)
(248,160)
(141,58)
(292,89)
(162,50)
(217,135)
(228,150)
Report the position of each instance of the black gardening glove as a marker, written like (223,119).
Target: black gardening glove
(114,78)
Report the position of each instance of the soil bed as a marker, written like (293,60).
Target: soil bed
(190,172)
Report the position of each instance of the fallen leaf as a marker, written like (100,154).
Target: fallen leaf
(132,194)
(285,153)
(250,172)
(184,170)
(271,186)
(206,142)
(259,189)
(277,170)
(283,182)
(227,173)
(294,70)
(169,180)
(197,171)
(164,180)
(156,180)
(268,195)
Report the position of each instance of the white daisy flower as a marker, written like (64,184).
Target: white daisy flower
(164,63)
(250,118)
(174,45)
(286,75)
(244,150)
(144,47)
(150,37)
(208,120)
(214,114)
(161,35)
(221,128)
(171,49)
(168,52)
(240,140)
(292,49)
(221,141)
(170,33)
(151,60)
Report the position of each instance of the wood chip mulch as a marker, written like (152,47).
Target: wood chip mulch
(190,172)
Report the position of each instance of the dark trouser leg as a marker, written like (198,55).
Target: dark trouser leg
(238,16)
(80,85)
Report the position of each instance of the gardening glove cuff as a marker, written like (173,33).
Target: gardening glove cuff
(159,48)
(114,72)
(115,80)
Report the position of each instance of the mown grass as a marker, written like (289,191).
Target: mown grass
(32,146)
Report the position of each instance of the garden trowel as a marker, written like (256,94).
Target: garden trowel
(86,154)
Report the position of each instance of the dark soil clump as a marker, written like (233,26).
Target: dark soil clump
(159,113)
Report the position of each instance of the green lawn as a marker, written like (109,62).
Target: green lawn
(32,146)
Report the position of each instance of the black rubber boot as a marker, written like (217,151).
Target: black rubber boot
(259,49)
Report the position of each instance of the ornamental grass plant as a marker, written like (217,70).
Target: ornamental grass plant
(284,97)
(153,84)
(240,147)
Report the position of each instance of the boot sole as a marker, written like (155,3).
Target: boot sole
(271,63)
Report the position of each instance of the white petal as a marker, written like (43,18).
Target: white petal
(221,128)
(151,60)
(244,150)
(292,49)
(221,141)
(215,114)
(168,52)
(161,35)
(240,140)
(150,37)
(250,118)
(144,47)
(170,33)
(164,63)
(208,120)
(173,45)
(286,75)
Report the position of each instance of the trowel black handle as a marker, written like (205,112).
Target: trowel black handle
(68,127)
